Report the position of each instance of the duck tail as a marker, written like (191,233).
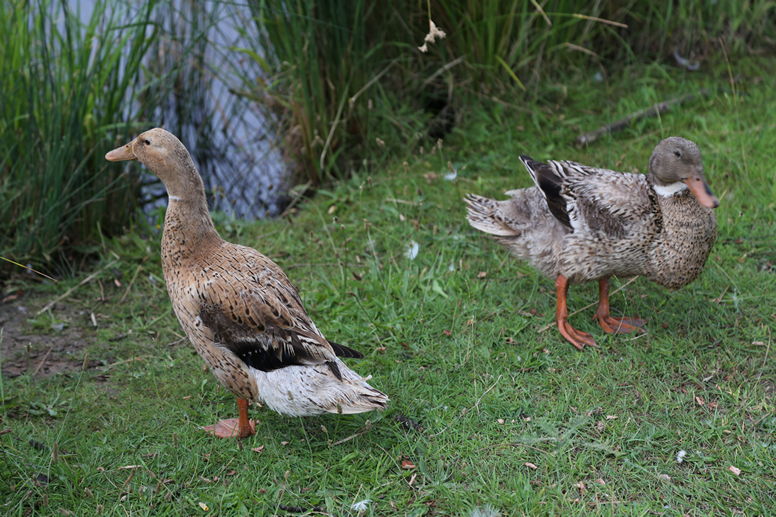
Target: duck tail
(483,214)
(315,389)
(354,394)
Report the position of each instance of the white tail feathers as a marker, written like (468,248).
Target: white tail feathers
(313,390)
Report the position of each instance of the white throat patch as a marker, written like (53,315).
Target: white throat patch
(176,198)
(670,190)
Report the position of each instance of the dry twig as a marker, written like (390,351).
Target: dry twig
(72,289)
(652,111)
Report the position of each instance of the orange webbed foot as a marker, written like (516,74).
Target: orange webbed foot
(230,428)
(576,337)
(625,325)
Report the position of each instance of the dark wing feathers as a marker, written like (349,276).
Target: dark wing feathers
(344,351)
(551,185)
(269,344)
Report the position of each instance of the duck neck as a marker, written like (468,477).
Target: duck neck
(683,243)
(665,190)
(188,227)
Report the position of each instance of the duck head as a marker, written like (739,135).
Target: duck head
(165,156)
(676,164)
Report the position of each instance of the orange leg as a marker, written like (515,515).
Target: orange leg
(610,324)
(241,427)
(576,337)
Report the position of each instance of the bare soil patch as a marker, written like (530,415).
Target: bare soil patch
(43,352)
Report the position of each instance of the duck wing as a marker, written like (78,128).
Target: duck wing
(593,200)
(254,311)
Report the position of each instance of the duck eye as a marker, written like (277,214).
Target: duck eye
(677,154)
(148,142)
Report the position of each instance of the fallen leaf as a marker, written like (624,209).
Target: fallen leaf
(258,449)
(611,417)
(469,322)
(530,465)
(735,470)
(447,333)
(407,464)
(130,467)
(700,401)
(11,297)
(582,488)
(600,481)
(500,420)
(664,477)
(482,274)
(284,443)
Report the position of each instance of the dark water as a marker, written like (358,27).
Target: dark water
(227,135)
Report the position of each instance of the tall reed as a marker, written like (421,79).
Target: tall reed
(65,95)
(320,60)
(322,81)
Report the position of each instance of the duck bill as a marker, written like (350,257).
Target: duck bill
(121,154)
(700,189)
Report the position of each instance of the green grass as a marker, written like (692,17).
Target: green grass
(464,356)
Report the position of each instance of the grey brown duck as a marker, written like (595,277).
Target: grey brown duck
(239,309)
(581,223)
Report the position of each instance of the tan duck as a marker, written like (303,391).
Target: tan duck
(239,309)
(582,223)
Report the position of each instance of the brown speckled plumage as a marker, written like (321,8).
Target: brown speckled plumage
(585,223)
(238,308)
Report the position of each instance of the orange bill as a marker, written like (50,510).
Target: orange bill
(700,189)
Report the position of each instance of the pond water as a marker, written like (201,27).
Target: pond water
(227,135)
